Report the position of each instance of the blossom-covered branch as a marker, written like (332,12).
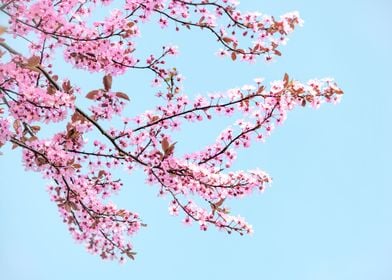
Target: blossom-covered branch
(199,183)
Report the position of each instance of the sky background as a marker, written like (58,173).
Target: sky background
(328,214)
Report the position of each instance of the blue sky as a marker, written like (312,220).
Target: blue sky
(328,213)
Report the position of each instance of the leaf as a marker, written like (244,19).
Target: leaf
(153,119)
(165,144)
(286,79)
(107,82)
(227,40)
(40,161)
(131,255)
(219,203)
(122,213)
(66,86)
(261,89)
(33,61)
(78,117)
(73,205)
(233,56)
(16,125)
(67,207)
(169,151)
(92,94)
(32,138)
(101,173)
(76,166)
(339,91)
(3,29)
(122,95)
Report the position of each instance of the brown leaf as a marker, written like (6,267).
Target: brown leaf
(92,94)
(131,255)
(154,119)
(286,79)
(219,203)
(122,213)
(339,91)
(67,207)
(78,117)
(122,95)
(33,61)
(227,40)
(32,138)
(40,160)
(73,205)
(165,144)
(101,173)
(107,82)
(76,166)
(169,151)
(260,90)
(233,56)
(3,29)
(17,125)
(67,86)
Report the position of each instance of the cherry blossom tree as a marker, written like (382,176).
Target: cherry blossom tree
(199,184)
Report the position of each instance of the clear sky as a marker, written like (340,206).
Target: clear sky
(328,214)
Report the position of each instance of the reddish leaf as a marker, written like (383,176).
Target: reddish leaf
(286,79)
(233,56)
(107,82)
(67,86)
(92,94)
(17,125)
(32,138)
(339,91)
(101,173)
(131,255)
(169,151)
(77,117)
(33,61)
(219,203)
(76,166)
(165,144)
(227,40)
(122,95)
(154,119)
(2,30)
